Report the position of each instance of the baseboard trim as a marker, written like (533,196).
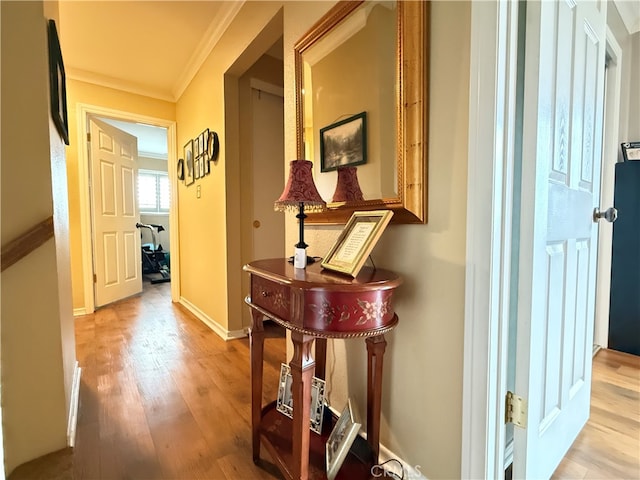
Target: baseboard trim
(392,470)
(77,312)
(73,405)
(211,323)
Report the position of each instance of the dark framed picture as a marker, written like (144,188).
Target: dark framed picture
(189,166)
(57,83)
(196,167)
(630,151)
(344,143)
(180,169)
(213,146)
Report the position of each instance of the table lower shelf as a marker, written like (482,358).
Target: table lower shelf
(276,433)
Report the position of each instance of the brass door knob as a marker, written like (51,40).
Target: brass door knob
(256,224)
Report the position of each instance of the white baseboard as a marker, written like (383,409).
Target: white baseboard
(405,471)
(79,311)
(211,323)
(73,405)
(393,469)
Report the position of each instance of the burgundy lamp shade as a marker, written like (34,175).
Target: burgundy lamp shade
(300,189)
(347,188)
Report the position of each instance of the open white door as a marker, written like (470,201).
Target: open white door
(562,146)
(116,240)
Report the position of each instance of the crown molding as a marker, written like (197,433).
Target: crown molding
(152,155)
(117,84)
(630,13)
(228,12)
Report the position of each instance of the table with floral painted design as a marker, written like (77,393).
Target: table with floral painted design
(316,304)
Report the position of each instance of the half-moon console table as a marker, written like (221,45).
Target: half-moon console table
(316,304)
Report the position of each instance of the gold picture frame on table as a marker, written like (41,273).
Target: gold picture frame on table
(356,241)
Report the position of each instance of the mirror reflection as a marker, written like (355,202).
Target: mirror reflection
(349,79)
(361,81)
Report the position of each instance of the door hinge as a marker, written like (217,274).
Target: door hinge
(516,410)
(95,278)
(88,137)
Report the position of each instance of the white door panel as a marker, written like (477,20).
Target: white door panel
(117,263)
(562,135)
(268,155)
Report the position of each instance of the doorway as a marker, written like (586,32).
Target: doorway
(260,96)
(610,150)
(122,118)
(153,200)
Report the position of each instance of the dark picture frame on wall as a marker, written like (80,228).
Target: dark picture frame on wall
(344,143)
(630,151)
(57,83)
(189,166)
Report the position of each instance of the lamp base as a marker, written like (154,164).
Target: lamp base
(310,260)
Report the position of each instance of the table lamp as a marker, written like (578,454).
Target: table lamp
(347,187)
(301,193)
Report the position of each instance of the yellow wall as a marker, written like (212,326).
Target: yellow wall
(86,93)
(209,226)
(422,388)
(38,343)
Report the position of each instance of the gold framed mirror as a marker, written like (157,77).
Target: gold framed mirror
(366,58)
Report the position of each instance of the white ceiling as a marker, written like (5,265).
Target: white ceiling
(152,141)
(152,48)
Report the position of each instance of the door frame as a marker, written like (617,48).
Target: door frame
(610,149)
(85,112)
(492,130)
(493,66)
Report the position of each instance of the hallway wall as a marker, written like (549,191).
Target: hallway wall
(38,343)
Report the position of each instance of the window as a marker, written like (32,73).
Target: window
(153,191)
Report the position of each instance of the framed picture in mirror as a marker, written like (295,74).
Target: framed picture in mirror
(344,143)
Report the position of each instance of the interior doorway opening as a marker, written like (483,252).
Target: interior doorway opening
(170,236)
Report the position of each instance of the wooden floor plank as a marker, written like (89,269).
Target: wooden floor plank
(609,445)
(162,396)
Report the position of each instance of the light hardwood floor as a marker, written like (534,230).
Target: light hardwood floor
(163,397)
(609,445)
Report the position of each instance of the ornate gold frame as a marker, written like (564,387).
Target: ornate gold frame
(410,206)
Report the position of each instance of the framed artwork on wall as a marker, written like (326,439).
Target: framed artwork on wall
(189,167)
(57,83)
(630,151)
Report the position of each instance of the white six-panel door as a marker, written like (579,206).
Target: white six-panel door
(116,240)
(562,143)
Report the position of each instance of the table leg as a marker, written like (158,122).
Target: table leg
(375,353)
(256,343)
(321,357)
(302,369)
